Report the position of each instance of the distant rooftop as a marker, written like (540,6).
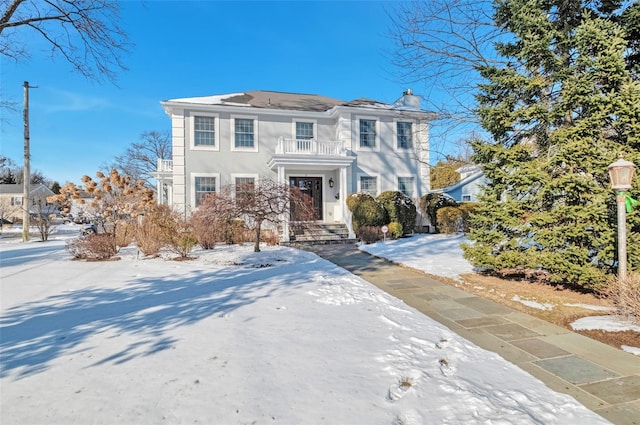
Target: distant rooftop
(294,101)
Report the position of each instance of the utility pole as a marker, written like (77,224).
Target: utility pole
(26,202)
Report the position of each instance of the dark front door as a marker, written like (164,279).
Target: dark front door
(311,187)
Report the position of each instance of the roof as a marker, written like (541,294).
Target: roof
(290,101)
(18,189)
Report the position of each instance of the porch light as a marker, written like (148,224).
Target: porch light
(331,182)
(621,173)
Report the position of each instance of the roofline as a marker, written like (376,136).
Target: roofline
(170,105)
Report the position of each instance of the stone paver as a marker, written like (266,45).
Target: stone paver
(603,378)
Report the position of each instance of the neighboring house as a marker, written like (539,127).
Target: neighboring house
(328,147)
(467,189)
(12,203)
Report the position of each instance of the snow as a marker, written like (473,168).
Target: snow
(533,304)
(235,337)
(441,255)
(607,323)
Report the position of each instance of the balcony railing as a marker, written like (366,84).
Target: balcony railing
(165,165)
(309,147)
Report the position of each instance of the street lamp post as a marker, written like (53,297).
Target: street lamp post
(621,173)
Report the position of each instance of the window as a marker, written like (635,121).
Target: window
(405,185)
(304,130)
(369,184)
(16,201)
(405,135)
(466,198)
(244,133)
(367,133)
(204,131)
(203,187)
(244,187)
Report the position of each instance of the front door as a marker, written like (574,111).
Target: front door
(311,187)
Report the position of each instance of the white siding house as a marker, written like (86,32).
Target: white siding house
(328,147)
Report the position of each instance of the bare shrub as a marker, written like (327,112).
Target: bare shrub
(152,231)
(125,234)
(213,221)
(101,246)
(369,234)
(625,295)
(269,237)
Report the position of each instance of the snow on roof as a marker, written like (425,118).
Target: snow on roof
(289,101)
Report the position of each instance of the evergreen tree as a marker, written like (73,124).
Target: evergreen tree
(563,109)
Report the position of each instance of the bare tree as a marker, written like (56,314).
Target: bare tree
(140,160)
(441,44)
(85,33)
(270,202)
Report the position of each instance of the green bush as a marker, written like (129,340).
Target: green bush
(395,230)
(432,202)
(449,219)
(400,208)
(365,211)
(467,209)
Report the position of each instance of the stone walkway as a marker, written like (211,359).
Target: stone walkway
(604,379)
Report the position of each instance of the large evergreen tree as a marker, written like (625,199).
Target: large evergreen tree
(560,112)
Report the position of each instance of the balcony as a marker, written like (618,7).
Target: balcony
(165,165)
(309,147)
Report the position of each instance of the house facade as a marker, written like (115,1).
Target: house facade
(12,204)
(327,147)
(472,180)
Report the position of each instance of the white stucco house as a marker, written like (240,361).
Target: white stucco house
(328,147)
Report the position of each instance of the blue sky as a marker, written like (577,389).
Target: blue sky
(339,49)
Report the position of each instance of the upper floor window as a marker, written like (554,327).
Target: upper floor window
(405,185)
(466,198)
(369,184)
(304,130)
(405,135)
(244,133)
(204,131)
(204,185)
(367,133)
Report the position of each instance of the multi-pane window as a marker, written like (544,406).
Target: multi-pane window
(204,131)
(405,185)
(369,185)
(466,198)
(405,135)
(304,130)
(367,133)
(244,133)
(16,201)
(203,187)
(244,186)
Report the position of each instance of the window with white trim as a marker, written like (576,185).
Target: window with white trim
(369,184)
(368,133)
(16,201)
(204,131)
(244,133)
(466,198)
(404,134)
(304,130)
(406,186)
(203,186)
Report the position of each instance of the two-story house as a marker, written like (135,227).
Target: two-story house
(328,147)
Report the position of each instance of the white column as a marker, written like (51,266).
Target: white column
(285,219)
(346,214)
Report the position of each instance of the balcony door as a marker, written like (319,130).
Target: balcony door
(311,187)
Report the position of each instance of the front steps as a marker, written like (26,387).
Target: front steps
(318,234)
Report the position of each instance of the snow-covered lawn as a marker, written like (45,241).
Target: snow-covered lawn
(236,337)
